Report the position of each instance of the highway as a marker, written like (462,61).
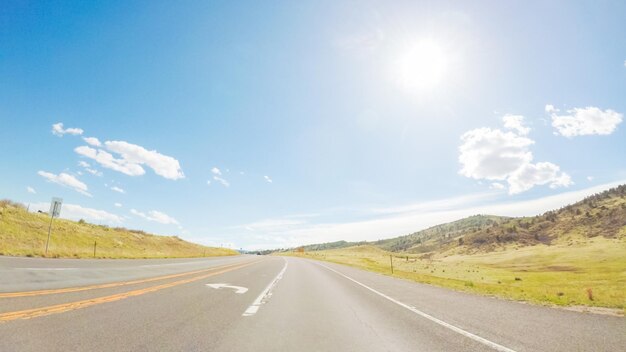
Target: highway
(267,303)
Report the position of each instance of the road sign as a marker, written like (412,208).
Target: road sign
(55,207)
(55,211)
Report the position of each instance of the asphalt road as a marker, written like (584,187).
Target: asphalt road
(269,304)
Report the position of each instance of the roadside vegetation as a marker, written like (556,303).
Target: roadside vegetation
(574,256)
(24,234)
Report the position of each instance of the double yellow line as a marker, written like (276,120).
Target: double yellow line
(65,307)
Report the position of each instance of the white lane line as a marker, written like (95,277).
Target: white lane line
(482,340)
(254,307)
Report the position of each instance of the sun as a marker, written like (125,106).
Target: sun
(422,67)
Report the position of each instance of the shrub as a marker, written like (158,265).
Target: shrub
(4,203)
(590,294)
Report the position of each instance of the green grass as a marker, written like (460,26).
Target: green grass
(24,234)
(559,274)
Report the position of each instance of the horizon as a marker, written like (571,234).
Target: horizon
(287,127)
(528,208)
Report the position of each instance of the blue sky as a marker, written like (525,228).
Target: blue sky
(312,120)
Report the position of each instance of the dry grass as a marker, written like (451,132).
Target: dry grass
(24,234)
(590,273)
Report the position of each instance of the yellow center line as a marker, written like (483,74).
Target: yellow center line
(99,286)
(65,307)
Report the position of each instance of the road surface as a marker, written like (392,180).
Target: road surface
(259,303)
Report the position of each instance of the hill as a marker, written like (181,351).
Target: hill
(438,236)
(603,214)
(24,234)
(417,242)
(573,256)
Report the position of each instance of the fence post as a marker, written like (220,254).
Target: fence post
(94,249)
(391,260)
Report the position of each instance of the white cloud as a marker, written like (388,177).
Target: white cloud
(624,63)
(208,182)
(118,205)
(88,168)
(31,190)
(132,158)
(224,182)
(496,185)
(76,212)
(118,190)
(589,178)
(162,217)
(58,130)
(585,121)
(216,171)
(93,172)
(156,216)
(163,165)
(92,141)
(529,175)
(493,154)
(270,225)
(109,161)
(437,205)
(66,180)
(515,123)
(496,155)
(550,108)
(268,179)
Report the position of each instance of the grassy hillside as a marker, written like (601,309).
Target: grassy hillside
(575,255)
(24,234)
(600,215)
(421,241)
(437,236)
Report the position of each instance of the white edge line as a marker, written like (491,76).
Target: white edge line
(482,340)
(254,307)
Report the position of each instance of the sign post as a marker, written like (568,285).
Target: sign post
(55,211)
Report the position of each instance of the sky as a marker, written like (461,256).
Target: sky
(275,124)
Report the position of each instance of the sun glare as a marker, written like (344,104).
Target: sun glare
(422,67)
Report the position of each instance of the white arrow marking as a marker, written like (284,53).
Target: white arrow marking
(238,289)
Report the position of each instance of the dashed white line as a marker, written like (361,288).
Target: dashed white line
(482,340)
(254,307)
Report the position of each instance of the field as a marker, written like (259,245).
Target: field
(581,272)
(24,234)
